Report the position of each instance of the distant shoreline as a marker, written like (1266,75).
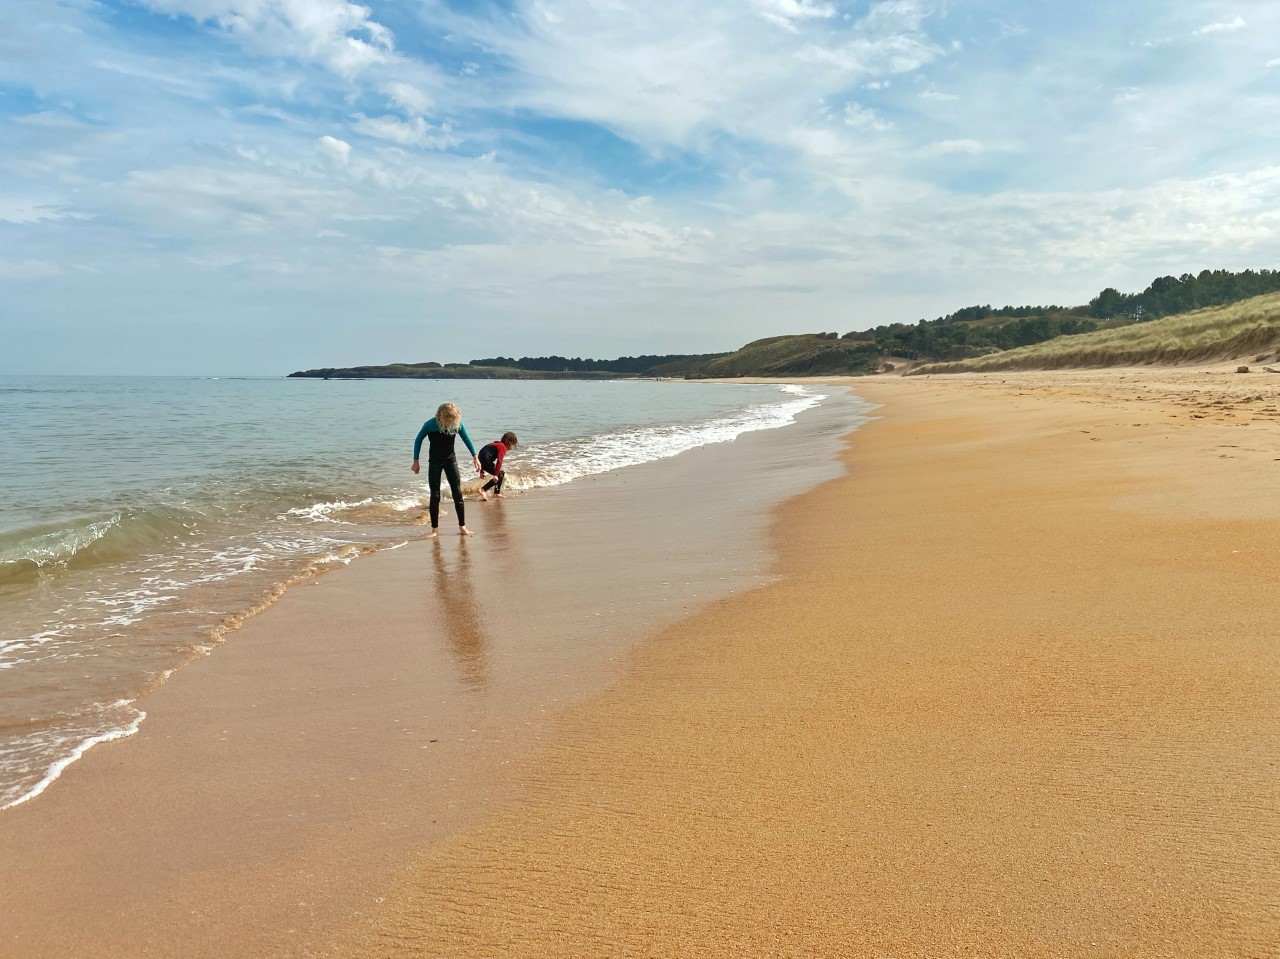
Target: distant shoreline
(452,373)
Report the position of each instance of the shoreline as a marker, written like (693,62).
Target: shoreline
(280,780)
(151,614)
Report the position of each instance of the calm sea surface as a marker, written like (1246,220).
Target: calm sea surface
(142,518)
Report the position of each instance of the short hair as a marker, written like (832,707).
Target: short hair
(509,440)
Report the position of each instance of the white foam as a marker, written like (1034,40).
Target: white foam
(562,462)
(323,512)
(55,769)
(58,547)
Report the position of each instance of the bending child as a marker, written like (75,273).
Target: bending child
(490,458)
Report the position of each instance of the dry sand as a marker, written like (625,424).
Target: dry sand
(1015,694)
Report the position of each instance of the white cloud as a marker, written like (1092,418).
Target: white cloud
(408,97)
(1005,29)
(864,118)
(660,76)
(943,147)
(1222,26)
(339,150)
(206,201)
(938,96)
(785,12)
(28,269)
(49,119)
(341,35)
(27,211)
(1273,63)
(416,132)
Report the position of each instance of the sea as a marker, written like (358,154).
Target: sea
(142,519)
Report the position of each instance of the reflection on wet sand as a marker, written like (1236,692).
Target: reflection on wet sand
(463,628)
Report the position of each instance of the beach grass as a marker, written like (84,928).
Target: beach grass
(1247,329)
(808,354)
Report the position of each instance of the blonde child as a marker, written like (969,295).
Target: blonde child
(440,432)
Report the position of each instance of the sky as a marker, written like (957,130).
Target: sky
(221,187)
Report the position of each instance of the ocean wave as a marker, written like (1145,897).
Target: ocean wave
(89,541)
(326,512)
(24,770)
(556,463)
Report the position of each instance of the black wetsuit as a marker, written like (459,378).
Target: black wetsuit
(441,459)
(491,457)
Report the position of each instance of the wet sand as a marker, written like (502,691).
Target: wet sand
(1016,693)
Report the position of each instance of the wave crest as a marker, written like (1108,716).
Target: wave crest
(89,541)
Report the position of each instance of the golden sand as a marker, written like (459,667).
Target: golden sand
(1015,693)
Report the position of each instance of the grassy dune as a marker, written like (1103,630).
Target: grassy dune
(1244,330)
(801,355)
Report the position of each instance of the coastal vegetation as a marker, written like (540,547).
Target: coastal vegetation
(1112,328)
(623,365)
(1248,328)
(445,371)
(811,354)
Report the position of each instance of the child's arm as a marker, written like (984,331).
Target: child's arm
(462,431)
(417,442)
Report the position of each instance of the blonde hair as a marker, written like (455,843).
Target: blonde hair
(448,417)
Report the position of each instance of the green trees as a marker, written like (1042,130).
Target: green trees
(626,365)
(1178,294)
(976,327)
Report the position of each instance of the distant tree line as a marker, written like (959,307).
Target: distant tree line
(947,336)
(1178,294)
(632,365)
(965,332)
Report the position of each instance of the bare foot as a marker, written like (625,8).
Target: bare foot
(434,533)
(485,496)
(463,531)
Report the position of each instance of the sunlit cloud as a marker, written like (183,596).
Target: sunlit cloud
(415,132)
(1222,26)
(339,150)
(865,118)
(341,35)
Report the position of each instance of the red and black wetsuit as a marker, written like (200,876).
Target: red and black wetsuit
(491,458)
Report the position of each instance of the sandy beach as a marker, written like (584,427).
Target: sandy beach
(1012,690)
(1015,694)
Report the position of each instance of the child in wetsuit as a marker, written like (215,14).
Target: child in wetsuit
(440,432)
(491,457)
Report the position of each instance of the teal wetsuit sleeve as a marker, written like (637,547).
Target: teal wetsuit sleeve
(462,431)
(428,427)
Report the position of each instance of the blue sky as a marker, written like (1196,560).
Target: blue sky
(258,186)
